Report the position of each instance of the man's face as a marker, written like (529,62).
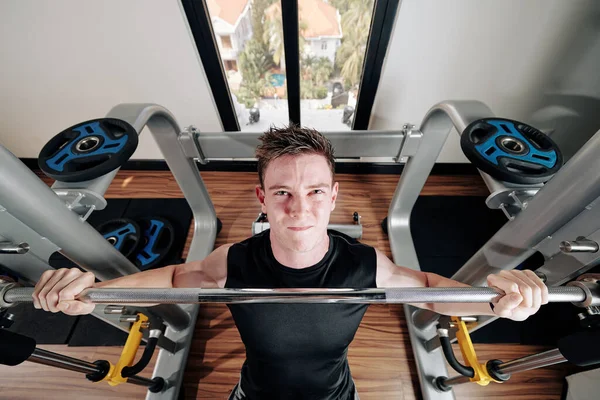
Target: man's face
(298,197)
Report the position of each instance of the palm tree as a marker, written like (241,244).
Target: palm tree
(259,22)
(322,70)
(273,36)
(254,65)
(306,67)
(352,52)
(350,55)
(341,5)
(358,16)
(314,73)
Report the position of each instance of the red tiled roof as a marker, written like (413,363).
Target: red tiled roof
(228,10)
(319,17)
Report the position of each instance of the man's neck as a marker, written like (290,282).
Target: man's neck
(298,260)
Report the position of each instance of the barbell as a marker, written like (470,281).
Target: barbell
(580,293)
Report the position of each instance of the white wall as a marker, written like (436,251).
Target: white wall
(242,34)
(313,47)
(505,53)
(65,61)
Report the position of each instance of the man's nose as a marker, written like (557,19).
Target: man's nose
(298,206)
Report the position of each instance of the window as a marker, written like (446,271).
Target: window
(330,77)
(335,50)
(256,72)
(231,65)
(226,42)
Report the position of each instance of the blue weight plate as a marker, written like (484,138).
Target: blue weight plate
(124,234)
(88,150)
(511,151)
(158,237)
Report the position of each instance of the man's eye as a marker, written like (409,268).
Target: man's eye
(318,191)
(281,193)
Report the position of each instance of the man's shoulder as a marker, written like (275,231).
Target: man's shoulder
(249,241)
(351,247)
(342,239)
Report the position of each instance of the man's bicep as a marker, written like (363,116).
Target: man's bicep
(392,275)
(210,272)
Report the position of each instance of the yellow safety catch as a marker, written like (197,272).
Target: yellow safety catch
(132,344)
(481,377)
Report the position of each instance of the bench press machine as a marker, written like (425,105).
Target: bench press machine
(36,221)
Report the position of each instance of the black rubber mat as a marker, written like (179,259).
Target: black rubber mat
(44,327)
(49,328)
(89,331)
(115,208)
(447,231)
(452,226)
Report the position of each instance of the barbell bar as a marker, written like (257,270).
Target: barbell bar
(583,294)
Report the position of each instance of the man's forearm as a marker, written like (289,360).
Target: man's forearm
(456,309)
(154,278)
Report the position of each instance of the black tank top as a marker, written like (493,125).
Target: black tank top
(298,351)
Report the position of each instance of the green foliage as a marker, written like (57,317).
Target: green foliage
(321,92)
(356,20)
(253,61)
(314,73)
(316,70)
(308,90)
(273,35)
(341,5)
(245,97)
(322,70)
(258,22)
(254,66)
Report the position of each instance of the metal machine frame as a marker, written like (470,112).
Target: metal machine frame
(540,217)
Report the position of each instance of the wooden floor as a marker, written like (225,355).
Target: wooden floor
(380,357)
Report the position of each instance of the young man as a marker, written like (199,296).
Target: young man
(296,350)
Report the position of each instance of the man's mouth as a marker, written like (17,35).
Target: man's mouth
(298,228)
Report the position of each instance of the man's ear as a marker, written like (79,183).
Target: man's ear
(260,194)
(334,193)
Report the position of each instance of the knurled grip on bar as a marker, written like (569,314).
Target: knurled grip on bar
(591,290)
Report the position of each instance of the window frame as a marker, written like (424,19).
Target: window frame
(200,25)
(382,21)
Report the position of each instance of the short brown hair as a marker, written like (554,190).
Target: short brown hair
(292,140)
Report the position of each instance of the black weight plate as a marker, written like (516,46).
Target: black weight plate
(124,234)
(511,151)
(88,150)
(158,236)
